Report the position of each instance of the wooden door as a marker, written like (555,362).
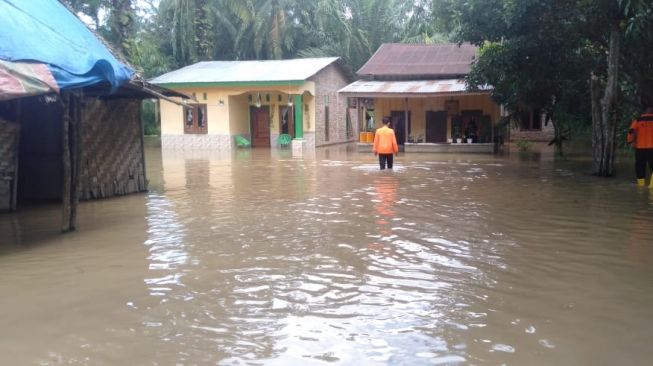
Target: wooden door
(398,124)
(260,126)
(436,126)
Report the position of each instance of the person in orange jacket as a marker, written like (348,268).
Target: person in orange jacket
(385,144)
(640,136)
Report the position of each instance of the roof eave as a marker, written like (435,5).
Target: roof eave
(222,84)
(413,95)
(412,77)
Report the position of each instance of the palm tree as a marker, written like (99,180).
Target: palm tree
(180,15)
(328,30)
(201,29)
(264,28)
(121,23)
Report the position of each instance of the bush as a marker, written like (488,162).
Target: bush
(523,144)
(151,124)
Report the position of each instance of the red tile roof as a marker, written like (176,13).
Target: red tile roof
(397,60)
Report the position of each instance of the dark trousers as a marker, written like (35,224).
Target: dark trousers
(642,157)
(383,158)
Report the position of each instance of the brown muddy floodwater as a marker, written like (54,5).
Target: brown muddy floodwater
(258,258)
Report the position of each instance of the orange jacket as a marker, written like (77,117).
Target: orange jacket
(385,141)
(641,132)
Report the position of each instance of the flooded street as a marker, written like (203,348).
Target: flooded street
(258,258)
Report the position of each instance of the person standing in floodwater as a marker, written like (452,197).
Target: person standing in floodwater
(640,136)
(385,144)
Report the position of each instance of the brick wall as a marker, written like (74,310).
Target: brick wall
(327,83)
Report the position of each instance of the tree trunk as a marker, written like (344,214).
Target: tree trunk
(122,24)
(603,115)
(203,31)
(558,138)
(67,169)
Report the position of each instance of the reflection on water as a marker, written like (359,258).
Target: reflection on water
(258,257)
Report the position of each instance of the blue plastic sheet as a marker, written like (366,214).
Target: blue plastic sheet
(46,31)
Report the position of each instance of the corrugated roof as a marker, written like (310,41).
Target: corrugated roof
(364,88)
(434,60)
(246,71)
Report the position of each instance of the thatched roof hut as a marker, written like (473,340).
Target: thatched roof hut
(70,121)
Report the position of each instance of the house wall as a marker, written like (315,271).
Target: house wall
(238,116)
(170,124)
(112,149)
(419,106)
(228,114)
(218,130)
(328,81)
(310,120)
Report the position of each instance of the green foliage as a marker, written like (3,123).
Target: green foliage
(150,120)
(148,58)
(181,32)
(158,36)
(537,62)
(523,144)
(90,8)
(540,54)
(546,54)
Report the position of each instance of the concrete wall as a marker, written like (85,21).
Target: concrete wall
(171,118)
(238,115)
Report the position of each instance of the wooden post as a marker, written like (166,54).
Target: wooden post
(13,196)
(76,156)
(13,204)
(65,156)
(361,117)
(405,121)
(143,186)
(366,127)
(71,138)
(496,144)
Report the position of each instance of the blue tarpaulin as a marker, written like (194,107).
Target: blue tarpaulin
(45,31)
